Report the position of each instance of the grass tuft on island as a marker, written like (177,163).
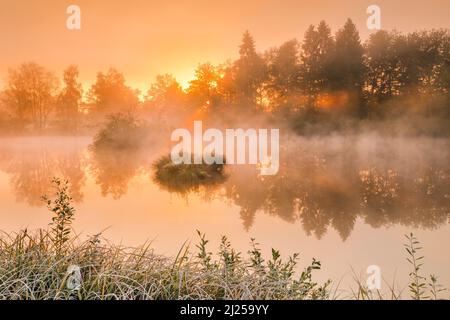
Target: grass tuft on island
(185,178)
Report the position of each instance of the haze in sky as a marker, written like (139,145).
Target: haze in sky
(143,38)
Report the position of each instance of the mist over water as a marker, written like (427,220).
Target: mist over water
(324,182)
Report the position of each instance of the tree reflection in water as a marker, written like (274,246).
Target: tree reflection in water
(322,189)
(113,169)
(32,168)
(321,184)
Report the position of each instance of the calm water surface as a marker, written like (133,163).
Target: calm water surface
(347,201)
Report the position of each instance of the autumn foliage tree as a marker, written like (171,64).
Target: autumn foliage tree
(109,94)
(69,99)
(202,90)
(165,99)
(30,95)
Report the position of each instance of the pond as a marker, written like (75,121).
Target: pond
(348,201)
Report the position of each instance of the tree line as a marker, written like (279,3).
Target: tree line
(336,75)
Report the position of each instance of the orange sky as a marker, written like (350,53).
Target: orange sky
(143,38)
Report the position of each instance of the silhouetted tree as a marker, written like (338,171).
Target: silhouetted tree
(423,55)
(349,64)
(226,84)
(283,84)
(413,66)
(308,85)
(250,71)
(317,57)
(383,73)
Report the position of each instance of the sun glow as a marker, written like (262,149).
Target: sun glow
(332,100)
